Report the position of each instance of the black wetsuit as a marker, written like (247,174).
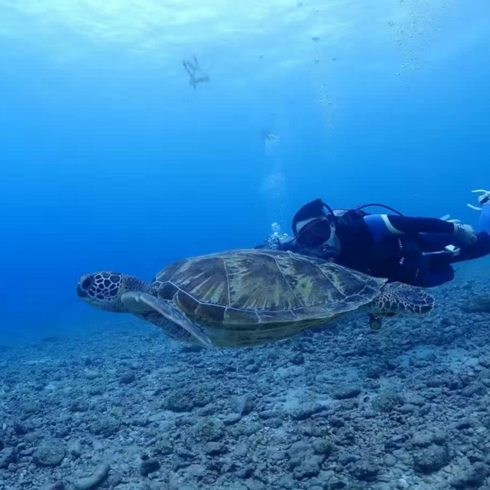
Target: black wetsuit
(404,249)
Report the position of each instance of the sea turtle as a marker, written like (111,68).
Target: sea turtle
(248,297)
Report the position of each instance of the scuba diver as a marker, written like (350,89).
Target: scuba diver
(415,251)
(193,68)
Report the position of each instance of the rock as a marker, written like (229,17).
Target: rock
(185,400)
(127,378)
(246,429)
(287,482)
(390,460)
(308,468)
(364,470)
(305,411)
(322,447)
(79,405)
(97,478)
(346,392)
(253,484)
(463,424)
(246,472)
(29,407)
(185,454)
(303,462)
(422,438)
(232,419)
(20,429)
(196,471)
(91,375)
(435,382)
(240,451)
(243,405)
(338,483)
(49,454)
(347,457)
(148,466)
(75,449)
(273,423)
(387,401)
(164,447)
(298,359)
(473,477)
(209,431)
(476,389)
(215,449)
(431,459)
(7,456)
(477,304)
(191,349)
(105,426)
(59,485)
(402,484)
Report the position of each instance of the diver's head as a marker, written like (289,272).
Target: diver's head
(103,290)
(315,231)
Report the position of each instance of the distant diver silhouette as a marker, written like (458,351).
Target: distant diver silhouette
(195,73)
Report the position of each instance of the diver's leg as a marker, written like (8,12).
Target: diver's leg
(437,271)
(479,249)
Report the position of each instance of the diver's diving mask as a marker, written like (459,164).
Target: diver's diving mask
(314,230)
(314,233)
(319,238)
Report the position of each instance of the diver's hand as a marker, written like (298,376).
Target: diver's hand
(483,198)
(465,233)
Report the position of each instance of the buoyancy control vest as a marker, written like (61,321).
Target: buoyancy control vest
(398,258)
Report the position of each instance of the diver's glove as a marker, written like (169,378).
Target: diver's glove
(483,198)
(465,233)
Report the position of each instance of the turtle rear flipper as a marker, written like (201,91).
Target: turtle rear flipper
(165,315)
(399,298)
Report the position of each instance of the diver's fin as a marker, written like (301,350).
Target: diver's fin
(482,198)
(140,303)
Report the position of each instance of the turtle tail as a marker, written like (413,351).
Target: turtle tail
(398,298)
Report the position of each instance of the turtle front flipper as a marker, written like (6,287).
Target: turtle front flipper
(398,298)
(165,315)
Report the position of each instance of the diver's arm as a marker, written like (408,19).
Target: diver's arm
(384,226)
(413,226)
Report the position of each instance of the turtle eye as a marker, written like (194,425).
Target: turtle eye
(87,283)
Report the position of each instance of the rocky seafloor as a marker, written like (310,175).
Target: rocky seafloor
(338,408)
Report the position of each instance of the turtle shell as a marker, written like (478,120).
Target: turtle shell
(249,297)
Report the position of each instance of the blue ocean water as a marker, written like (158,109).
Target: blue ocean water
(111,160)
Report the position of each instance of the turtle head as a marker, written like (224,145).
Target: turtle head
(103,290)
(396,298)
